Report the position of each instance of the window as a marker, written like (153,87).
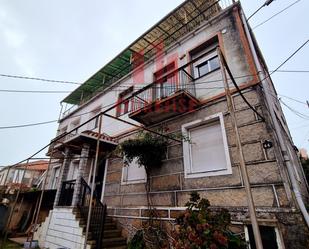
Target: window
(124,107)
(206,153)
(74,124)
(208,66)
(62,130)
(270,237)
(133,173)
(55,177)
(208,61)
(93,124)
(73,170)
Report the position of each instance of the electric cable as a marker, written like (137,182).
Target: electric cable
(281,11)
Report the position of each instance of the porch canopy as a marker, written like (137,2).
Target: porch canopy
(179,22)
(107,143)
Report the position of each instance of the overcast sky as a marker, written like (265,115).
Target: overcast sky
(70,40)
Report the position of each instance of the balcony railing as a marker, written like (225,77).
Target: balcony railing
(179,81)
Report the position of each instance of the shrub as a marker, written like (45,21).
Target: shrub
(199,227)
(137,242)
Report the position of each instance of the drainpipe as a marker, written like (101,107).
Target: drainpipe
(282,142)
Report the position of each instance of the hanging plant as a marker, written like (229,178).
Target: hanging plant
(149,149)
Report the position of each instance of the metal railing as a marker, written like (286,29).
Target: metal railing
(98,212)
(66,194)
(180,80)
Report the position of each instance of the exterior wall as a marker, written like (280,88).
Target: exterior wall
(60,229)
(169,187)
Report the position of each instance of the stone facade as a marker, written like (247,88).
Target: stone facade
(170,190)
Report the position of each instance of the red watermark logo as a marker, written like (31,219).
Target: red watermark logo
(162,89)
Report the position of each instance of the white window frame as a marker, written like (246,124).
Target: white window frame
(54,183)
(124,176)
(209,56)
(187,154)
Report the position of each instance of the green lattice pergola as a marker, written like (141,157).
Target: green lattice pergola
(173,26)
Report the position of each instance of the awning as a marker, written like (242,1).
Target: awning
(173,26)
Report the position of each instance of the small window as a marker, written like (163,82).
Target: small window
(55,177)
(206,153)
(74,124)
(125,106)
(208,66)
(133,173)
(73,170)
(269,236)
(207,58)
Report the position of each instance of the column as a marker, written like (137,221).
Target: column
(81,173)
(63,173)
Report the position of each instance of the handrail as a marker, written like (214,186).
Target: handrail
(98,212)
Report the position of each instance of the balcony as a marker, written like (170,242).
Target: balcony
(76,139)
(161,101)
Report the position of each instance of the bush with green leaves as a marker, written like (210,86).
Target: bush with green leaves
(200,228)
(149,149)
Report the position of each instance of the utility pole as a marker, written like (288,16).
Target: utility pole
(243,168)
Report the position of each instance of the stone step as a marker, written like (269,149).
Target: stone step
(110,226)
(112,233)
(109,242)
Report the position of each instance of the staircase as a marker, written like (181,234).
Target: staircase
(112,236)
(103,232)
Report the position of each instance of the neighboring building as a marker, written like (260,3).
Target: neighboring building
(27,177)
(26,174)
(303,154)
(179,55)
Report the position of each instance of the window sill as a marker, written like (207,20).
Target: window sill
(208,173)
(133,182)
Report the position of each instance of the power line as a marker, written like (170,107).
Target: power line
(31,91)
(299,114)
(38,79)
(126,86)
(119,87)
(296,100)
(281,11)
(274,71)
(267,2)
(286,60)
(292,71)
(27,125)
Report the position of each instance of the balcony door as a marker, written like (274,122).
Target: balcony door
(166,82)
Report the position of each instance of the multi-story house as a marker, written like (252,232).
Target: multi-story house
(199,72)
